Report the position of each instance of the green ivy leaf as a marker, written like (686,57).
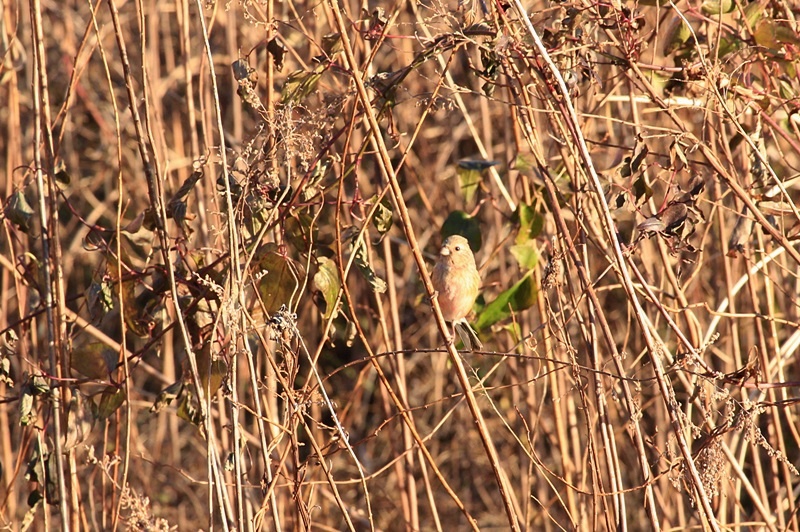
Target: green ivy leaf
(772,34)
(730,44)
(99,298)
(60,173)
(19,211)
(461,223)
(526,254)
(300,84)
(377,284)
(717,7)
(469,173)
(383,216)
(188,411)
(80,421)
(519,297)
(93,360)
(277,282)
(642,190)
(676,36)
(754,11)
(313,186)
(25,407)
(531,223)
(110,400)
(523,163)
(166,396)
(469,180)
(332,44)
(5,371)
(277,50)
(631,165)
(326,280)
(300,231)
(35,497)
(40,384)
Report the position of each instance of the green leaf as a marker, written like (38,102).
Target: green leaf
(277,50)
(754,11)
(111,399)
(39,384)
(383,216)
(790,70)
(300,84)
(300,231)
(211,375)
(61,174)
(326,280)
(642,190)
(469,173)
(469,180)
(332,44)
(26,412)
(188,405)
(772,34)
(730,44)
(717,7)
(34,498)
(99,298)
(188,411)
(313,186)
(5,372)
(80,421)
(166,396)
(19,211)
(519,297)
(461,223)
(531,223)
(276,278)
(8,348)
(136,308)
(678,33)
(377,284)
(631,165)
(526,254)
(94,360)
(256,212)
(523,163)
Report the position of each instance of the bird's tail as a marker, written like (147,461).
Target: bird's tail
(468,335)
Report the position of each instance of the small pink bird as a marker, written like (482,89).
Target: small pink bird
(457,281)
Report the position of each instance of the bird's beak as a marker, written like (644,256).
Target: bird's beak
(444,251)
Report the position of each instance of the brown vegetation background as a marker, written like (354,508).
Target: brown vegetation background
(217,221)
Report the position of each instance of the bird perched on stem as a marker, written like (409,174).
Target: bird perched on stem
(456,281)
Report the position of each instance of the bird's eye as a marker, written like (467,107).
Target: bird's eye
(458,248)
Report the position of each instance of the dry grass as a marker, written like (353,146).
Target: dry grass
(637,241)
